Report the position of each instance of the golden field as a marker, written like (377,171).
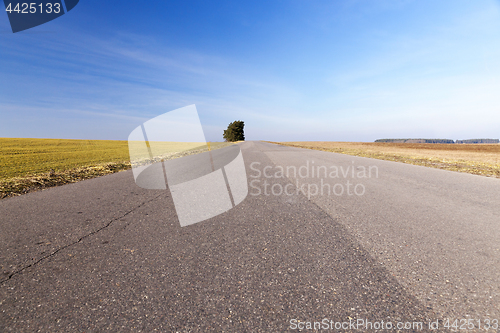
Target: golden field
(31,164)
(479,159)
(21,157)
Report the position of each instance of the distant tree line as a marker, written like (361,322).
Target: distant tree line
(416,140)
(479,141)
(439,141)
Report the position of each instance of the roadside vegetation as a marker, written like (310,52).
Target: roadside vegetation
(478,159)
(28,165)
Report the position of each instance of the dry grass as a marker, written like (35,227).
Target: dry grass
(28,165)
(479,159)
(20,185)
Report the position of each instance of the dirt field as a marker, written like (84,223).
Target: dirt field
(479,159)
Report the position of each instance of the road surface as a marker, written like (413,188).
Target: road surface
(400,244)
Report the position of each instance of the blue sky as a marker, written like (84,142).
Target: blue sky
(353,70)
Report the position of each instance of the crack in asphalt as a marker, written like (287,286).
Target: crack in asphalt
(77,241)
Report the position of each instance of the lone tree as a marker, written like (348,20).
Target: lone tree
(234,131)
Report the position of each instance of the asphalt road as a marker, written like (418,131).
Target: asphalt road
(402,244)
